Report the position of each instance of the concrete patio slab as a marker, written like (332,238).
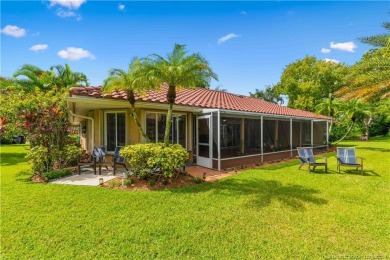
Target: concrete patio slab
(87,178)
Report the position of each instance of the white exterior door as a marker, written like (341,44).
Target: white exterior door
(204,140)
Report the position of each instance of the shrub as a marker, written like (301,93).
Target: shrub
(66,155)
(56,174)
(152,182)
(151,159)
(127,182)
(38,159)
(197,180)
(114,183)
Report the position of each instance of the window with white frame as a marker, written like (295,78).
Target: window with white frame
(115,129)
(155,128)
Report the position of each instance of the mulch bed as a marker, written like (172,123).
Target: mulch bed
(141,184)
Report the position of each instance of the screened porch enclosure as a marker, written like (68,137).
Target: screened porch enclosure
(247,138)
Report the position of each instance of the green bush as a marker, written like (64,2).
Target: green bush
(56,174)
(115,183)
(66,155)
(197,180)
(38,159)
(147,160)
(127,182)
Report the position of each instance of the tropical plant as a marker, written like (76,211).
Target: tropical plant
(369,79)
(129,81)
(268,94)
(34,77)
(352,111)
(58,77)
(178,70)
(64,77)
(379,40)
(328,106)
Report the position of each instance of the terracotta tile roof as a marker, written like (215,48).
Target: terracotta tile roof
(204,98)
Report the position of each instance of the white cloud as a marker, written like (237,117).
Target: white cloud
(71,4)
(332,60)
(121,7)
(65,14)
(72,53)
(39,47)
(227,37)
(13,30)
(343,46)
(325,50)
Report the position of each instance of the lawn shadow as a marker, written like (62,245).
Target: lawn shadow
(366,173)
(260,193)
(378,149)
(8,159)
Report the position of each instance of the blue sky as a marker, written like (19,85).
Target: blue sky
(248,44)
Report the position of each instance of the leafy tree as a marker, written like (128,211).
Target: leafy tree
(309,80)
(268,94)
(178,70)
(128,81)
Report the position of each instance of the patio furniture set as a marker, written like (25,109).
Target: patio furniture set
(346,156)
(98,159)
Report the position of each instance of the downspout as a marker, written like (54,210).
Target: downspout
(88,118)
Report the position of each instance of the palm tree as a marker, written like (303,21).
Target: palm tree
(58,77)
(269,94)
(36,77)
(178,70)
(65,77)
(352,110)
(128,81)
(379,40)
(328,106)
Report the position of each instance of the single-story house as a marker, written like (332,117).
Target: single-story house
(220,130)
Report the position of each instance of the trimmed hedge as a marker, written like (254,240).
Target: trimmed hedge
(151,159)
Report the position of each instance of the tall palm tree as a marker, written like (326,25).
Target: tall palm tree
(328,106)
(178,70)
(65,77)
(128,81)
(269,94)
(352,110)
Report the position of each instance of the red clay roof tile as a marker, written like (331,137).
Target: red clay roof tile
(204,98)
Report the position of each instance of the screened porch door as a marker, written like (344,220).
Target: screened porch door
(204,147)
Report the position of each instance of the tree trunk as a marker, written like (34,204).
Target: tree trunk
(171,97)
(133,114)
(168,124)
(349,130)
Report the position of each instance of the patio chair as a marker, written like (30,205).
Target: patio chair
(117,159)
(99,155)
(346,156)
(306,156)
(86,160)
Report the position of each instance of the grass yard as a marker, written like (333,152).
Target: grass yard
(274,212)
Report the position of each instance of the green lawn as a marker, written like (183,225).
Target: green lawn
(274,212)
